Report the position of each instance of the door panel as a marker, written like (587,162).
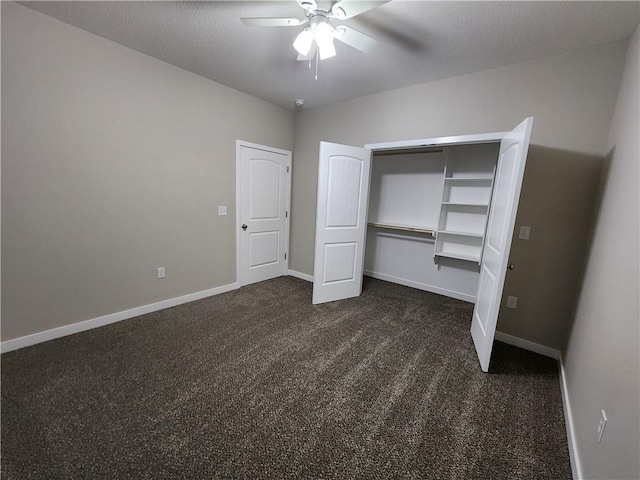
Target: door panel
(263,201)
(501,205)
(495,256)
(341,217)
(264,248)
(486,287)
(344,185)
(264,194)
(340,262)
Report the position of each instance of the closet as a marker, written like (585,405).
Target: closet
(436,214)
(427,216)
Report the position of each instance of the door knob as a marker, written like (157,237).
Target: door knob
(244,226)
(510,266)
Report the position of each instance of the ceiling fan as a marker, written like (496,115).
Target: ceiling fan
(319,35)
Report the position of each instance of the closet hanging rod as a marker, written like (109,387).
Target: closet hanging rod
(379,153)
(402,228)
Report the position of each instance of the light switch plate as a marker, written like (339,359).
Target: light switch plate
(524,233)
(222,210)
(512,302)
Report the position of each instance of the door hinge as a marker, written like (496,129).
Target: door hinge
(286,214)
(287,169)
(285,255)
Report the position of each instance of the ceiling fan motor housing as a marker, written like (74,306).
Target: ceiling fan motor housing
(316,19)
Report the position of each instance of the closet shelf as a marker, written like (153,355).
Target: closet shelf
(403,228)
(460,234)
(468,179)
(459,204)
(459,256)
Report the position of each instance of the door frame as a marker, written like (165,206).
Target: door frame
(437,142)
(288,154)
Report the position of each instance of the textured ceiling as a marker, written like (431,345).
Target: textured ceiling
(421,41)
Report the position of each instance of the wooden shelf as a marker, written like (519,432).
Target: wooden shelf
(402,228)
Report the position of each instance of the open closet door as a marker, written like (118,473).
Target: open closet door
(341,221)
(495,255)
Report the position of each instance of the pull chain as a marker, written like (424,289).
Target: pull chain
(317,56)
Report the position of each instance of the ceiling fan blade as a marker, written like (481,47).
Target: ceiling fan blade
(309,5)
(310,55)
(355,39)
(272,22)
(346,9)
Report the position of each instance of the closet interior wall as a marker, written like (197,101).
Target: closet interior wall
(427,212)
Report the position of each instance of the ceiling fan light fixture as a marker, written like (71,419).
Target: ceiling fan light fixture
(327,50)
(324,38)
(303,42)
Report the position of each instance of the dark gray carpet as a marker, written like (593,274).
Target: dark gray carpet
(259,383)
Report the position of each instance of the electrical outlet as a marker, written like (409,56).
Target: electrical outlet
(222,209)
(512,302)
(601,425)
(524,233)
(161,272)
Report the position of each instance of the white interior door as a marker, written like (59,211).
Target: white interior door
(263,203)
(341,221)
(502,217)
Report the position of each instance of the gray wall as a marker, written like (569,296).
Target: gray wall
(601,359)
(572,97)
(113,163)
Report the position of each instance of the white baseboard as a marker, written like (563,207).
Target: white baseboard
(576,469)
(300,275)
(527,345)
(47,335)
(422,286)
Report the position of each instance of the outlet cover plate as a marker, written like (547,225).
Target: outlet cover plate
(222,209)
(161,272)
(524,233)
(512,302)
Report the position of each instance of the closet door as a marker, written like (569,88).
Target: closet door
(502,217)
(341,221)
